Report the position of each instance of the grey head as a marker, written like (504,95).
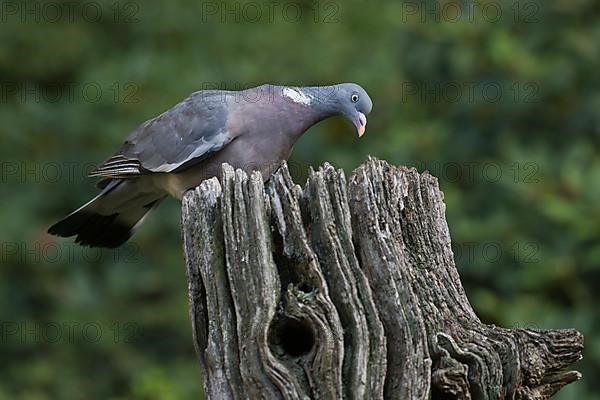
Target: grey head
(354,103)
(348,100)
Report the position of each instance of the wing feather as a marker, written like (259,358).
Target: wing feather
(186,134)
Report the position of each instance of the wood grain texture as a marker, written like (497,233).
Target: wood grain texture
(347,290)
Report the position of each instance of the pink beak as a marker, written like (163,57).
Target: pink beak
(361,123)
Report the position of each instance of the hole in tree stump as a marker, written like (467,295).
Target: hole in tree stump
(294,337)
(305,287)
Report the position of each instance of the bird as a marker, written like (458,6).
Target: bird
(253,129)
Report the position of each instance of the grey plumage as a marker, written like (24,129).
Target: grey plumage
(254,129)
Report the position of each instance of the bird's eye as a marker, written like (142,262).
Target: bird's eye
(354,97)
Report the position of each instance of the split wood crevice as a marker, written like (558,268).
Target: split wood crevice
(347,291)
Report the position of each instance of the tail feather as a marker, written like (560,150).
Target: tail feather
(93,230)
(94,226)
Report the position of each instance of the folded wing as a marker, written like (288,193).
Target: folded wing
(186,134)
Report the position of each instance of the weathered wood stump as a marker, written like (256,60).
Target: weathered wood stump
(347,290)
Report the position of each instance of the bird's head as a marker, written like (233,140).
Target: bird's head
(354,103)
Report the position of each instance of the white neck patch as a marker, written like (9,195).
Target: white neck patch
(297,96)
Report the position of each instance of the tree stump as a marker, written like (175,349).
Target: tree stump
(347,291)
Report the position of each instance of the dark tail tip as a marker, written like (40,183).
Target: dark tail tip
(93,229)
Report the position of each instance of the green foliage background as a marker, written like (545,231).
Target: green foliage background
(500,101)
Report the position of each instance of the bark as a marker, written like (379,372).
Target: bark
(347,290)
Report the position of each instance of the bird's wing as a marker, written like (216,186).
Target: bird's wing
(186,134)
